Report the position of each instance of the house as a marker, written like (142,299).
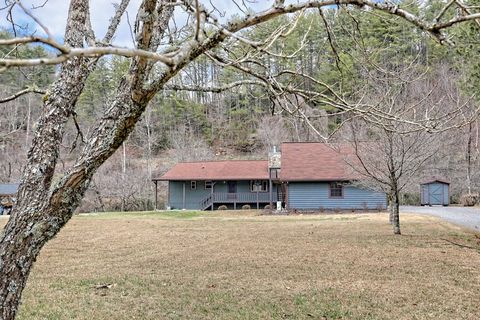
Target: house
(303,176)
(7,197)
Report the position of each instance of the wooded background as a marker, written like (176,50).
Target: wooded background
(365,55)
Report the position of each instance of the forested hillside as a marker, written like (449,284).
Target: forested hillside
(354,55)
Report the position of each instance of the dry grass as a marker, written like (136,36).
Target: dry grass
(241,266)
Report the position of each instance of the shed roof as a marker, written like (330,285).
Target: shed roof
(433,180)
(8,189)
(317,162)
(218,170)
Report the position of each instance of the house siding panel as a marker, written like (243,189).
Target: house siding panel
(315,195)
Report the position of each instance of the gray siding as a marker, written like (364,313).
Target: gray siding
(9,188)
(315,195)
(193,197)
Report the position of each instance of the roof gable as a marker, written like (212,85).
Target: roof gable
(433,180)
(314,161)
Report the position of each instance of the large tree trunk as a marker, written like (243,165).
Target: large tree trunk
(40,218)
(42,209)
(38,214)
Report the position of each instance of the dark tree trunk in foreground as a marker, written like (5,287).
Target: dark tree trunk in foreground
(42,209)
(39,213)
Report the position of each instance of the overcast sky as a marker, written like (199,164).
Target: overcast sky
(53,16)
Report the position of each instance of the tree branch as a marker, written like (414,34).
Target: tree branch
(21,93)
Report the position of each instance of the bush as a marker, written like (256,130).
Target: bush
(223,207)
(246,207)
(469,200)
(455,198)
(268,207)
(410,199)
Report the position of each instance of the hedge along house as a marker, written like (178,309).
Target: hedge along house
(435,192)
(303,176)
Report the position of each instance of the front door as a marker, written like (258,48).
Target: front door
(232,186)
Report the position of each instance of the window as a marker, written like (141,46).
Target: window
(258,185)
(193,185)
(336,190)
(274,173)
(208,185)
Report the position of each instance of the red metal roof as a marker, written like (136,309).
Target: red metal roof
(219,170)
(300,161)
(317,162)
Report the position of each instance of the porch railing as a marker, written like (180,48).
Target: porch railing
(246,197)
(239,197)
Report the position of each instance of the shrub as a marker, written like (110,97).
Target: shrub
(469,200)
(410,199)
(246,207)
(268,207)
(222,207)
(455,198)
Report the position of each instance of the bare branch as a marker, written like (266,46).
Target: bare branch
(21,93)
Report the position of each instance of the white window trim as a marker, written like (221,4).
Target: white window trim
(193,185)
(211,185)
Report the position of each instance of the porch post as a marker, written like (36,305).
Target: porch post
(258,206)
(156,195)
(211,194)
(168,196)
(270,187)
(183,195)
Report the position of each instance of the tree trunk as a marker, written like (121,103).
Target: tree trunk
(468,157)
(396,213)
(392,209)
(42,210)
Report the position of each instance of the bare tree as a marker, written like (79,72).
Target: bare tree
(271,132)
(162,50)
(386,154)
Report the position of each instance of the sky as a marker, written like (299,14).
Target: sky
(53,15)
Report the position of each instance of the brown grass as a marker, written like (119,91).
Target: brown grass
(241,266)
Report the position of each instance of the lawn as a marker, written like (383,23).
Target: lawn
(237,265)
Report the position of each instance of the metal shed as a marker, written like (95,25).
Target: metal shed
(435,192)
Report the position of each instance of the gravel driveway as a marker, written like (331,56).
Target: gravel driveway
(464,216)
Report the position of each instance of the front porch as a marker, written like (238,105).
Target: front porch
(236,199)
